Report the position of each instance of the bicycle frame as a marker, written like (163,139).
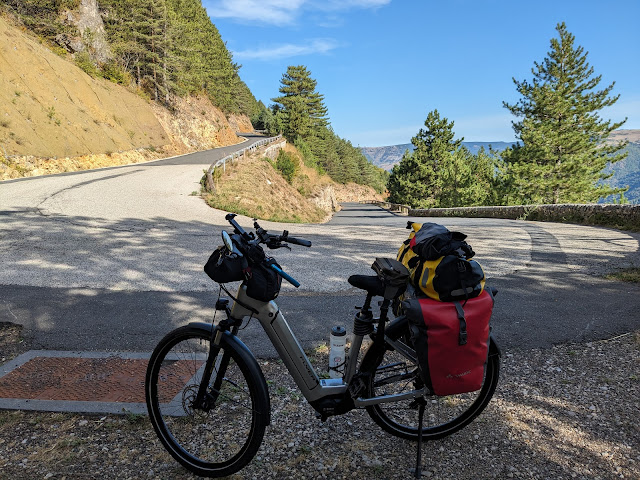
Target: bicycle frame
(286,344)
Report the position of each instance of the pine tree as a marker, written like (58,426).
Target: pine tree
(300,113)
(171,48)
(418,179)
(303,106)
(562,150)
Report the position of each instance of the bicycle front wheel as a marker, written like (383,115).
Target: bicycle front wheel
(392,373)
(220,436)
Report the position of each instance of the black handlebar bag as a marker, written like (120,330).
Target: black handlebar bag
(223,268)
(263,283)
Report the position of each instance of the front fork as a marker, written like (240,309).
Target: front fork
(206,398)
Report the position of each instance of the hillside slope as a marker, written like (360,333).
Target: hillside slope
(51,108)
(626,173)
(253,187)
(386,157)
(54,117)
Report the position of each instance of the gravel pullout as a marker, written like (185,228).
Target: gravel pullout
(561,413)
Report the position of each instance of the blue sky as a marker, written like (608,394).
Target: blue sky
(382,65)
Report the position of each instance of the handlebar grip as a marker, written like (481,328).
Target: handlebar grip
(298,241)
(284,275)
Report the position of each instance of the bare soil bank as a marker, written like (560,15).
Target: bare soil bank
(54,117)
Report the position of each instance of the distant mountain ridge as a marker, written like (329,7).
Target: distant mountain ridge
(387,157)
(625,172)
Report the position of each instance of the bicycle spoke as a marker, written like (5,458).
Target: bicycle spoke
(442,416)
(219,434)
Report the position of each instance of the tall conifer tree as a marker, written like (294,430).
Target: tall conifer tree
(562,152)
(300,113)
(300,101)
(418,180)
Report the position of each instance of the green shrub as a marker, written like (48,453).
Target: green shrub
(113,72)
(287,165)
(83,60)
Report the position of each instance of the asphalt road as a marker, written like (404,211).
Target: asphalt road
(112,259)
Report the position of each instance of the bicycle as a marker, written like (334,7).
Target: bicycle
(207,397)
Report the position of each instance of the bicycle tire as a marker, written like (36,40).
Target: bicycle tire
(443,415)
(224,439)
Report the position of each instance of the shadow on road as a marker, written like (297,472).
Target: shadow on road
(98,284)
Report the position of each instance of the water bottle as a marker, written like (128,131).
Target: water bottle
(336,351)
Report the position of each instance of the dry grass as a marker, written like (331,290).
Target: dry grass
(69,121)
(12,343)
(631,274)
(252,187)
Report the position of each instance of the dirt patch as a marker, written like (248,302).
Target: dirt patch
(352,192)
(12,343)
(622,135)
(195,124)
(240,123)
(51,108)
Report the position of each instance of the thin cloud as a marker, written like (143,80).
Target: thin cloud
(349,4)
(322,46)
(281,12)
(274,12)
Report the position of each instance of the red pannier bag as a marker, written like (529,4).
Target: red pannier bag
(451,341)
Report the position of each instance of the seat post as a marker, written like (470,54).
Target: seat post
(362,325)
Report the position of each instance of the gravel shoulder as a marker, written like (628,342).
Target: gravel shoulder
(566,412)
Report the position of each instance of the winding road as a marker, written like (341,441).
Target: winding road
(111,259)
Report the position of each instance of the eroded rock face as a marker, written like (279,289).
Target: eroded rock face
(326,199)
(89,22)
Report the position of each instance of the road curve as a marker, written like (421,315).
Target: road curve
(111,259)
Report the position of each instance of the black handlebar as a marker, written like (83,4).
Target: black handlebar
(298,241)
(248,245)
(270,240)
(229,217)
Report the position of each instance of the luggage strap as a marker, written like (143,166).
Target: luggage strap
(462,337)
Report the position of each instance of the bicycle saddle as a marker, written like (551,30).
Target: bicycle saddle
(371,283)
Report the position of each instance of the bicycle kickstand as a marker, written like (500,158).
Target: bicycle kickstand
(418,473)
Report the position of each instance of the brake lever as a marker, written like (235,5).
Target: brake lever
(275,244)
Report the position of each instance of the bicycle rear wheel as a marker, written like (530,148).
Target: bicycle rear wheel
(393,373)
(223,436)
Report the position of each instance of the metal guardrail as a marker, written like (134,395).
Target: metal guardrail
(240,153)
